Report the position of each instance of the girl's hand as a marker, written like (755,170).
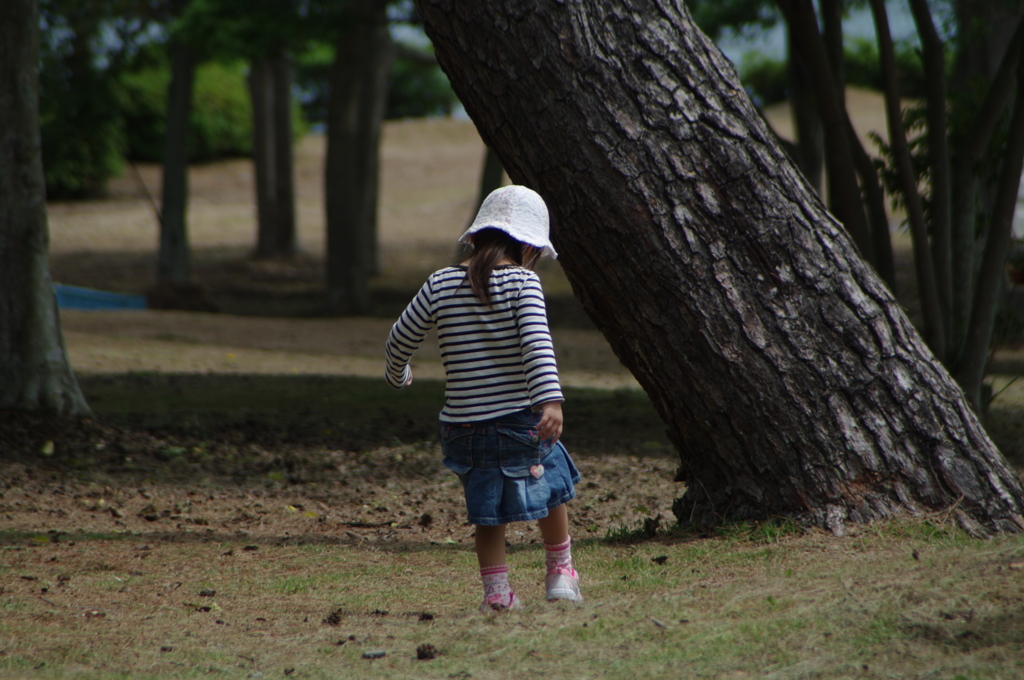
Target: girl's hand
(409,381)
(550,426)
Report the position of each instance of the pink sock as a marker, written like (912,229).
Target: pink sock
(496,585)
(559,557)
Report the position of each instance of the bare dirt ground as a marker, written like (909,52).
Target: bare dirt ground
(230,484)
(329,482)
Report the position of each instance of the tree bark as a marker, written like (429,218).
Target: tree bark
(789,377)
(358,98)
(34,369)
(174,259)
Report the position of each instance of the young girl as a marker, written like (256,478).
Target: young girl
(502,415)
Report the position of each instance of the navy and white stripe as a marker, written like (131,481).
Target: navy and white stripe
(497,359)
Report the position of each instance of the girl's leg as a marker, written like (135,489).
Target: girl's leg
(490,545)
(490,553)
(554,528)
(562,580)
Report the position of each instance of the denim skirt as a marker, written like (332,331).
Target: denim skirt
(507,472)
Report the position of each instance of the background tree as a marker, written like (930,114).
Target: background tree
(85,48)
(363,52)
(962,222)
(789,377)
(34,369)
(174,261)
(270,83)
(264,33)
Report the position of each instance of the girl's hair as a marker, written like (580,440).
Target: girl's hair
(491,246)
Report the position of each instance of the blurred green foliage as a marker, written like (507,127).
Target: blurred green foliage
(220,124)
(104,78)
(418,90)
(415,89)
(862,67)
(82,133)
(767,79)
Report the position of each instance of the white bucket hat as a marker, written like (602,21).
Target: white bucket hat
(517,211)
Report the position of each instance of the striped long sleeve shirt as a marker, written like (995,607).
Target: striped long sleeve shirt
(497,359)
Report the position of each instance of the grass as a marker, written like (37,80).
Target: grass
(894,600)
(897,600)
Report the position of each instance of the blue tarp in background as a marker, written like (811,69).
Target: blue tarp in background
(76,297)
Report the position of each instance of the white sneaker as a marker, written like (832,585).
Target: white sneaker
(498,605)
(563,584)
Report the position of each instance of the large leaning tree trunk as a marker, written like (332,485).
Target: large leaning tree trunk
(790,379)
(34,369)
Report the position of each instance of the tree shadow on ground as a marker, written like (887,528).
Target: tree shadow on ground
(236,431)
(344,413)
(964,632)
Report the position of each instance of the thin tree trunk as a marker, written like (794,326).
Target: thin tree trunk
(844,194)
(374,108)
(490,178)
(810,135)
(993,264)
(931,305)
(34,369)
(874,201)
(790,379)
(874,197)
(966,163)
(934,58)
(270,85)
(354,114)
(832,32)
(174,265)
(263,148)
(832,37)
(986,30)
(284,157)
